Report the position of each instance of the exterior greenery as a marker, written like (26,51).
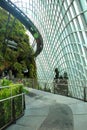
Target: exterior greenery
(19,56)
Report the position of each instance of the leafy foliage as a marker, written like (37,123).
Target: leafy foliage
(20,59)
(6,106)
(5,82)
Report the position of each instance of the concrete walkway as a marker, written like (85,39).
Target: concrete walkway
(46,111)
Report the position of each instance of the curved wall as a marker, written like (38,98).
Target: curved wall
(63,26)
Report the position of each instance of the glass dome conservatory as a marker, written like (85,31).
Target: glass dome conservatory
(63,27)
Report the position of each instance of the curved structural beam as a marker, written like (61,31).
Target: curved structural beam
(16,12)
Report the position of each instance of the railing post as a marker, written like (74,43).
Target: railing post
(67,90)
(54,87)
(24,101)
(13,111)
(32,83)
(85,94)
(2,114)
(45,87)
(38,86)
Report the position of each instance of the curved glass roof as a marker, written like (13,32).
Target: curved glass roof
(63,26)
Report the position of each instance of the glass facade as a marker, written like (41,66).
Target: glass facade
(63,26)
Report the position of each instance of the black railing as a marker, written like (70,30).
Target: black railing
(11,109)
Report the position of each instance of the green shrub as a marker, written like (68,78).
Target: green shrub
(5,82)
(5,93)
(5,106)
(25,91)
(16,88)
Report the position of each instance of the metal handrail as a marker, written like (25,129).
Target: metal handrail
(73,89)
(12,97)
(13,115)
(5,87)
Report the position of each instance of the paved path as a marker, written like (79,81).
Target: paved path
(45,111)
(59,118)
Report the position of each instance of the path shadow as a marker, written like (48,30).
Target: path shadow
(60,117)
